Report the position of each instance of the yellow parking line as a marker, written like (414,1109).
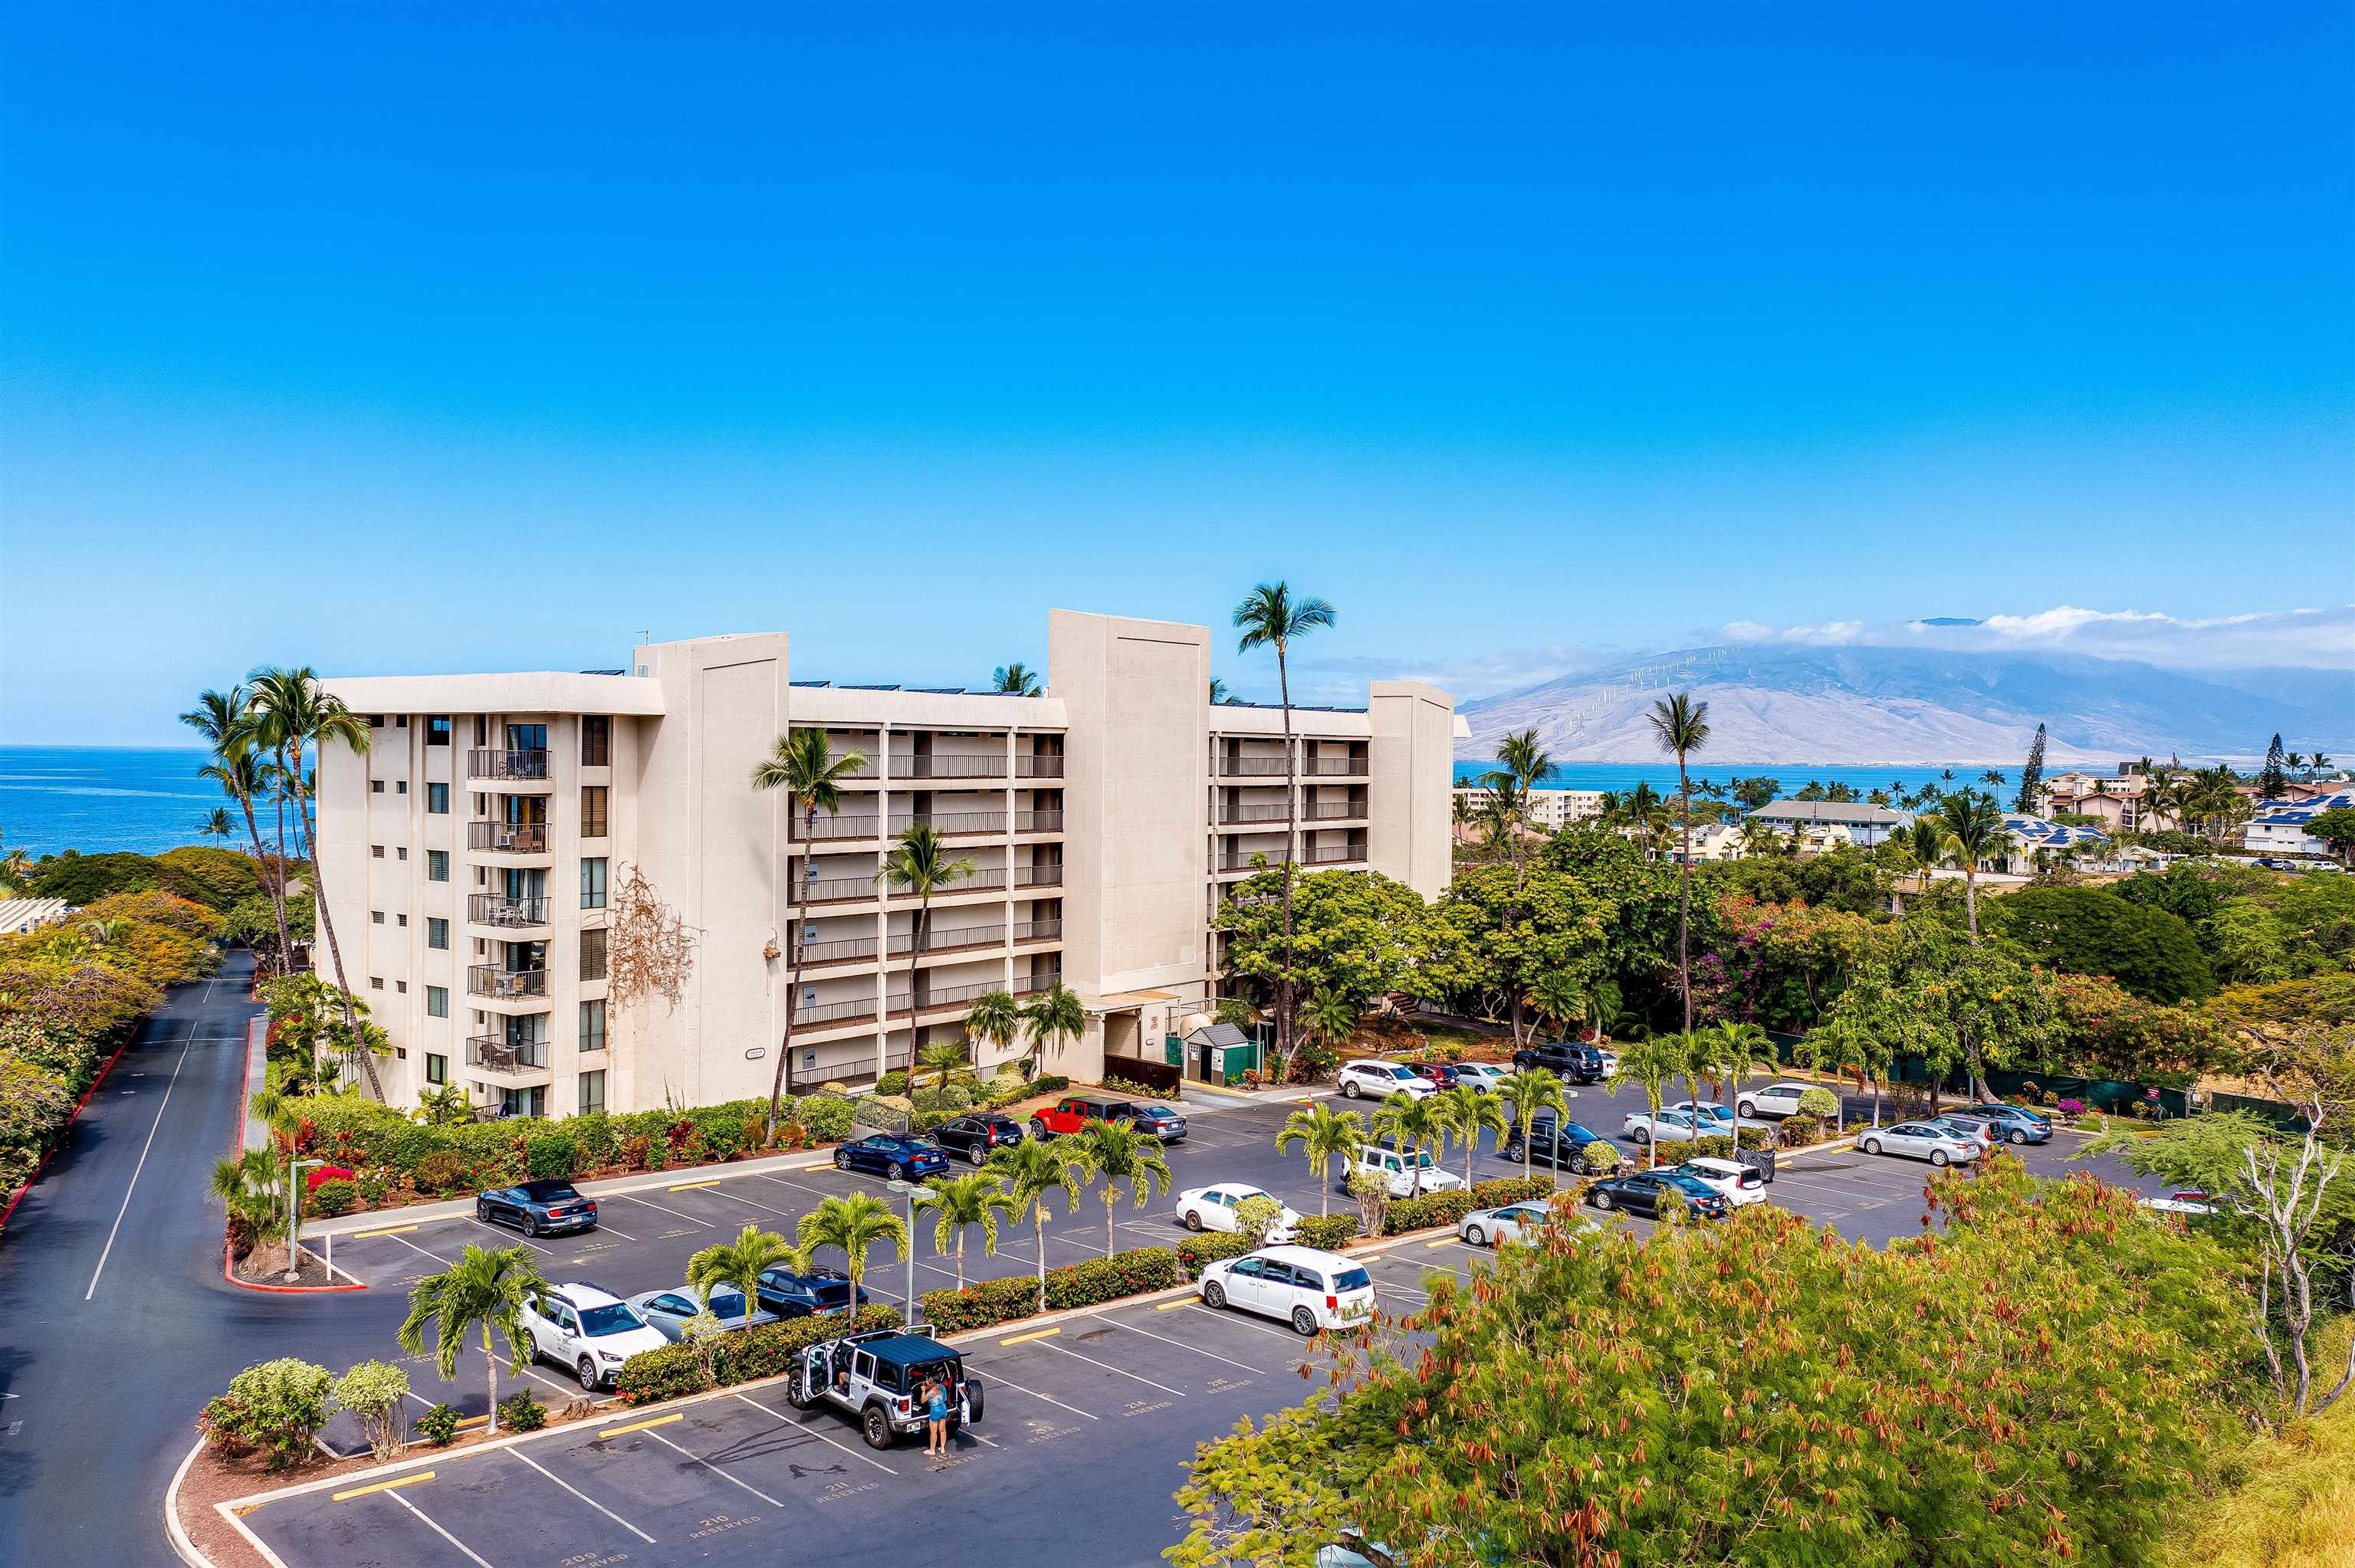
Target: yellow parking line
(1443,1241)
(386,1231)
(382,1487)
(1173,1306)
(689,1186)
(638,1425)
(1025,1339)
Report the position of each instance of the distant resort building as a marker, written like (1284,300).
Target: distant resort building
(2278,826)
(18,915)
(1861,825)
(1552,809)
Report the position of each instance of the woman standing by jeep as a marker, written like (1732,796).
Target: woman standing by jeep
(936,1410)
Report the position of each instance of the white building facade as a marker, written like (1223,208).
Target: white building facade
(1553,810)
(475,858)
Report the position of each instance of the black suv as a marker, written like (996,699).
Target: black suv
(973,1136)
(1560,1145)
(1567,1058)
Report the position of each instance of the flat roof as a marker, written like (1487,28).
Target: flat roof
(1829,811)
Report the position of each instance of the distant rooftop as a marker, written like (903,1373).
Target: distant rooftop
(1847,812)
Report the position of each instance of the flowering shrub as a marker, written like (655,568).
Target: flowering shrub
(319,1175)
(275,1406)
(1193,1251)
(329,1199)
(2071,1107)
(1800,1130)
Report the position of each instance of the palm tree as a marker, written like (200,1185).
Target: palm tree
(1327,1138)
(291,712)
(250,1187)
(1270,616)
(976,1198)
(1681,725)
(1731,1051)
(1558,1000)
(855,1225)
(1524,1095)
(1993,776)
(243,776)
(1113,1152)
(484,1289)
(992,1020)
(1015,680)
(1970,829)
(741,1262)
(1330,1018)
(947,1063)
(1217,690)
(217,824)
(1654,1063)
(1410,1122)
(1468,1113)
(1056,1017)
(1522,766)
(1927,840)
(805,765)
(1030,1170)
(921,864)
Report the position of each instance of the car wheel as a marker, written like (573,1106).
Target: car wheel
(482,1213)
(586,1370)
(2017,1136)
(895,1171)
(1871,1146)
(876,1427)
(1038,1128)
(1477,1237)
(531,1226)
(1304,1322)
(1937,1156)
(977,1154)
(1643,1135)
(1349,1090)
(1745,1108)
(841,1161)
(797,1388)
(1193,1220)
(1213,1295)
(1602,1200)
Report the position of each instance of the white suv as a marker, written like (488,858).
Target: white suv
(1308,1289)
(1392,1167)
(587,1329)
(1780,1098)
(1384,1079)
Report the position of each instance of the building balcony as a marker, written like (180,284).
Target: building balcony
(1037,931)
(1334,767)
(990,880)
(943,999)
(953,824)
(841,951)
(512,767)
(1038,821)
(1333,811)
(1251,768)
(826,827)
(1038,876)
(856,1010)
(1333,854)
(1237,816)
(949,941)
(503,914)
(505,985)
(910,767)
(508,1059)
(507,838)
(833,890)
(1036,985)
(1037,768)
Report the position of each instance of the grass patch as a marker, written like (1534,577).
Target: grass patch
(2288,1502)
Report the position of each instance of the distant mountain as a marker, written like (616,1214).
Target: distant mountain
(1784,703)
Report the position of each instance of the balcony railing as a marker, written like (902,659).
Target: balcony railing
(1251,767)
(979,882)
(1334,854)
(507,838)
(826,826)
(949,941)
(948,767)
(834,890)
(1334,811)
(1038,821)
(834,1012)
(1037,768)
(1033,985)
(506,985)
(1037,931)
(1038,876)
(1269,813)
(842,950)
(526,765)
(493,909)
(1334,767)
(941,996)
(491,1053)
(954,823)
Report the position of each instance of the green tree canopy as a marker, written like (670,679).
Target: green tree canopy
(1356,935)
(2089,931)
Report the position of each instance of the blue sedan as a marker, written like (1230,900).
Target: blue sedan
(896,1155)
(2009,1123)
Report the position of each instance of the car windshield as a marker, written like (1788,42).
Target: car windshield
(617,1318)
(1351,1279)
(1401,1072)
(548,1191)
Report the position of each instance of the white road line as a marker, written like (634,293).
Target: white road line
(796,1186)
(421,1252)
(736,1198)
(584,1496)
(495,1231)
(1181,1345)
(1000,1377)
(438,1529)
(713,1468)
(1234,1318)
(690,1219)
(135,1169)
(602,1225)
(816,1434)
(1107,1366)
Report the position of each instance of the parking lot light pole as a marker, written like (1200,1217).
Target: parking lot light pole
(911,1189)
(295,1169)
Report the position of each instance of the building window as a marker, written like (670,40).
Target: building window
(437,799)
(376,982)
(482,729)
(437,1068)
(375,917)
(592,883)
(376,786)
(401,722)
(402,787)
(376,852)
(437,729)
(401,920)
(596,741)
(592,1092)
(437,933)
(400,854)
(401,987)
(437,1001)
(592,1026)
(376,721)
(437,865)
(593,811)
(592,954)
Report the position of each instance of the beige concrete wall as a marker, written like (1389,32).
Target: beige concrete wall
(1411,790)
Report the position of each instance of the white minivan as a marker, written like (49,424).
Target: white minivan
(1310,1289)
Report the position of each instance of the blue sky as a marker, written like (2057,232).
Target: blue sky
(1521,332)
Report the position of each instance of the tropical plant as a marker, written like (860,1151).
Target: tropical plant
(226,721)
(1526,1094)
(1729,1052)
(1030,1170)
(741,1262)
(1015,680)
(1559,1000)
(1925,839)
(1970,829)
(373,1392)
(1115,1152)
(1467,1113)
(992,1020)
(855,1224)
(1056,1017)
(946,1064)
(485,1290)
(920,865)
(1653,1065)
(252,1186)
(805,765)
(1329,1137)
(1411,1123)
(1271,616)
(215,824)
(974,1199)
(1219,692)
(1330,1020)
(1681,725)
(1522,763)
(276,1406)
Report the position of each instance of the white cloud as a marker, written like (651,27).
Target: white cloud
(1342,680)
(2316,639)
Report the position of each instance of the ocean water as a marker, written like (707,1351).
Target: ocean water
(1662,775)
(95,798)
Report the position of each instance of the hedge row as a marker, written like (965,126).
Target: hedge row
(1089,1284)
(1327,1234)
(743,1355)
(1449,1208)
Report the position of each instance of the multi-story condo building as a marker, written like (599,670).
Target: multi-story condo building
(476,856)
(1549,808)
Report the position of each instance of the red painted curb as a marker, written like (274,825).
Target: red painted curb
(229,1263)
(18,1196)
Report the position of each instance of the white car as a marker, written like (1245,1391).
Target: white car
(1311,1290)
(1482,1075)
(1402,1177)
(1381,1080)
(1668,1126)
(670,1311)
(1715,1119)
(1514,1223)
(589,1330)
(1920,1141)
(1212,1208)
(1610,1059)
(1736,1184)
(1777,1099)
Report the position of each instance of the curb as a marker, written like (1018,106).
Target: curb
(639,1181)
(228,1272)
(174,1532)
(18,1196)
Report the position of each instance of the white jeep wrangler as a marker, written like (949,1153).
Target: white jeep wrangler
(879,1377)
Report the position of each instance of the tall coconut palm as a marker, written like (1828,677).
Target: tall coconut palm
(741,1262)
(1270,616)
(1115,1152)
(215,824)
(1730,1052)
(292,714)
(959,1203)
(483,1290)
(1468,1113)
(1016,680)
(1030,1170)
(1411,1123)
(1329,1137)
(920,864)
(1681,725)
(1522,763)
(1927,840)
(855,1224)
(1970,829)
(1992,777)
(1219,692)
(992,1020)
(1654,1064)
(805,765)
(1522,1097)
(1056,1017)
(226,720)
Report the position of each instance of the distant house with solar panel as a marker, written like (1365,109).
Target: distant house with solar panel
(2028,837)
(2278,826)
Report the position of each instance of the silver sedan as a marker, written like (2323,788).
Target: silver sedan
(1920,1141)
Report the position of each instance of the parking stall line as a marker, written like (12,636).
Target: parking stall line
(423,1253)
(714,1470)
(719,1192)
(1239,1321)
(1182,1345)
(814,1432)
(801,1186)
(471,1555)
(419,1479)
(690,1219)
(584,1496)
(1000,1377)
(525,1240)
